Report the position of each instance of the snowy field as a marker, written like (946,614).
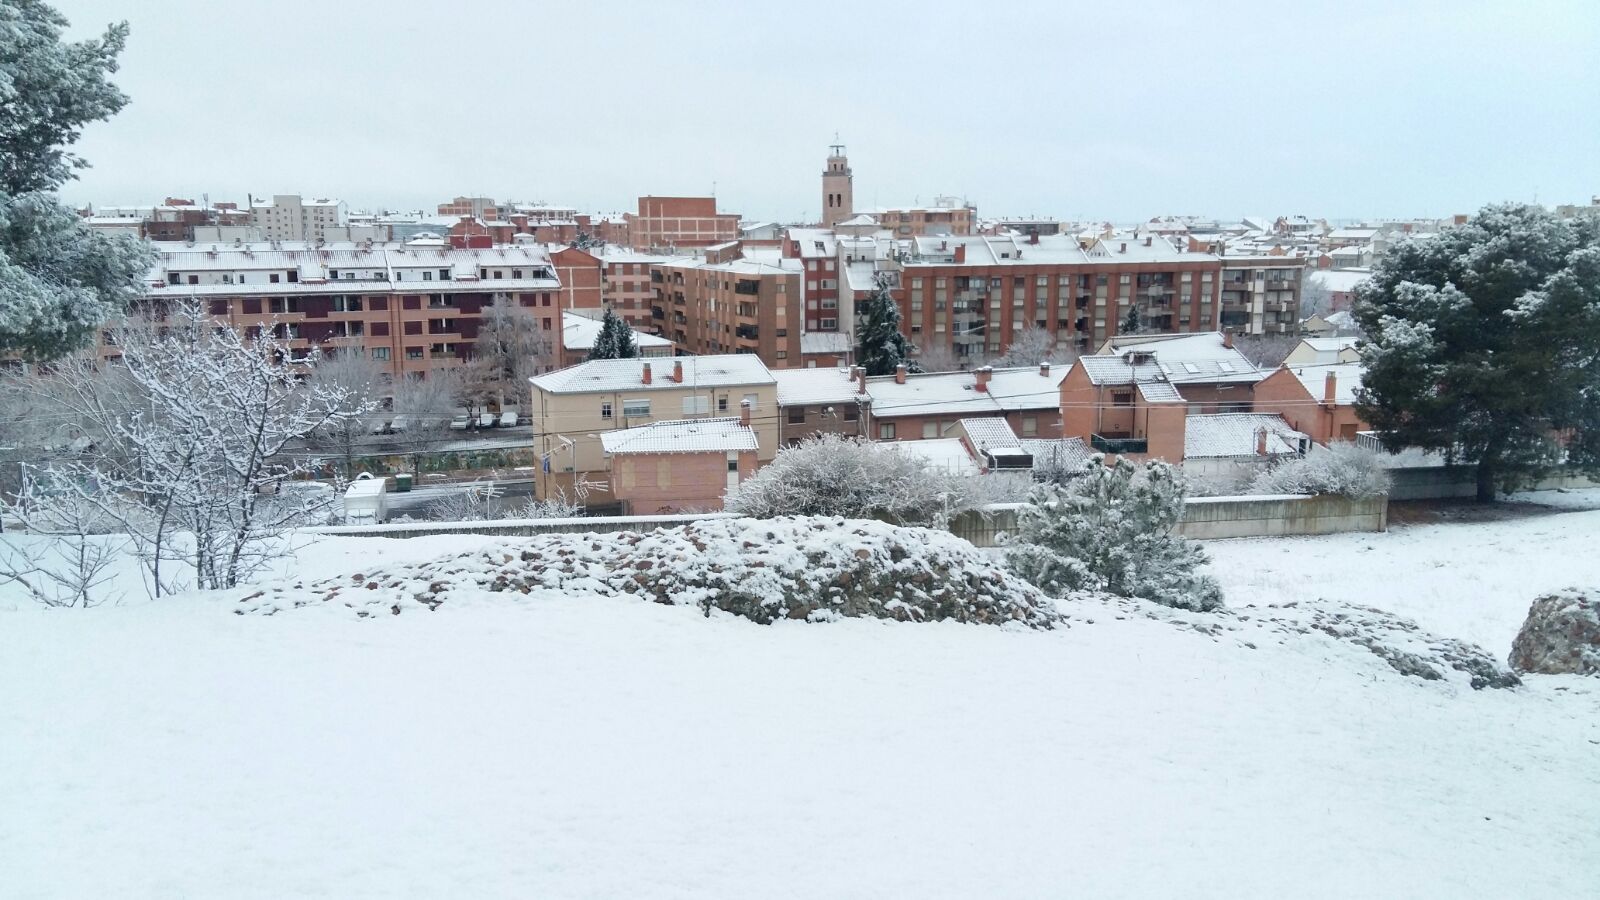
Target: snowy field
(606,748)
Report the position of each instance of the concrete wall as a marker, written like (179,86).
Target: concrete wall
(1444,482)
(1221,517)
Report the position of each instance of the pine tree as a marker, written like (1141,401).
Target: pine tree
(59,279)
(880,347)
(1110,529)
(1130,322)
(615,340)
(1481,343)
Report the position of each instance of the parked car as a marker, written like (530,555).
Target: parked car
(508,418)
(378,426)
(460,422)
(399,425)
(486,420)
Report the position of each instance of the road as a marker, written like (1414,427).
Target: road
(509,493)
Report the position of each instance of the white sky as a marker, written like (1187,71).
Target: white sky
(1104,110)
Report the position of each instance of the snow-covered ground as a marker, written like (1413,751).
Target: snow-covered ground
(1473,581)
(583,747)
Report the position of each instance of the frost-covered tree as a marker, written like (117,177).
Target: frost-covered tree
(1130,322)
(932,357)
(1315,297)
(832,475)
(1342,468)
(1030,347)
(1111,530)
(1484,342)
(880,347)
(511,346)
(195,456)
(365,381)
(1267,351)
(615,340)
(59,280)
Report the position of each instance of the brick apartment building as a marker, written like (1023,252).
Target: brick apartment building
(413,307)
(949,217)
(666,222)
(972,294)
(174,220)
(728,304)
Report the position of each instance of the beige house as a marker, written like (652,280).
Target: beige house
(572,407)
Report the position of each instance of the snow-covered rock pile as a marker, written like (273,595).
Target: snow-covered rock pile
(812,568)
(1561,636)
(1397,641)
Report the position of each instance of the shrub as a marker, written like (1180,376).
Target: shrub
(1343,468)
(1111,530)
(830,475)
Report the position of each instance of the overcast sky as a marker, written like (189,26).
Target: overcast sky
(1075,110)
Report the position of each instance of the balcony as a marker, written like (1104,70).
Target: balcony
(1118,445)
(747,287)
(1278,306)
(748,332)
(1279,284)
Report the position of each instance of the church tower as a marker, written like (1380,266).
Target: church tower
(838,196)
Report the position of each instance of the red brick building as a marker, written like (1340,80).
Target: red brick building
(668,222)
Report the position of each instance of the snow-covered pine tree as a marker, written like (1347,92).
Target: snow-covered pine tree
(880,346)
(1130,322)
(615,340)
(1481,342)
(59,279)
(1111,530)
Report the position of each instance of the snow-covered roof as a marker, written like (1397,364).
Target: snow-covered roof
(1159,392)
(1341,281)
(1347,378)
(579,332)
(946,455)
(824,342)
(1234,434)
(992,436)
(681,436)
(1066,452)
(812,387)
(1189,358)
(814,243)
(858,220)
(612,375)
(956,393)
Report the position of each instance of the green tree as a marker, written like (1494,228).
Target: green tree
(1130,322)
(880,347)
(59,280)
(1482,342)
(615,340)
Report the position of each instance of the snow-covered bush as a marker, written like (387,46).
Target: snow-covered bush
(830,475)
(804,568)
(1343,468)
(1111,530)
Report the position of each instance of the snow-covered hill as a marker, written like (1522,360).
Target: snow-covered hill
(593,747)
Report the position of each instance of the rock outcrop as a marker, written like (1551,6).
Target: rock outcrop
(1561,635)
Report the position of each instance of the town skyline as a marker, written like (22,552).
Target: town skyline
(1084,114)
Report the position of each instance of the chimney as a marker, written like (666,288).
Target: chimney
(677,371)
(1044,370)
(1033,237)
(961,253)
(1227,338)
(1147,240)
(861,379)
(900,373)
(1123,248)
(983,374)
(744,413)
(1330,388)
(646,373)
(1261,442)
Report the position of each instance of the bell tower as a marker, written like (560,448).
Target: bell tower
(838,197)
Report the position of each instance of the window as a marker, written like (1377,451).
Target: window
(722,404)
(413,353)
(381,354)
(696,406)
(930,430)
(885,431)
(347,304)
(1030,426)
(635,408)
(797,415)
(754,402)
(605,410)
(1122,398)
(830,324)
(272,278)
(733,463)
(852,412)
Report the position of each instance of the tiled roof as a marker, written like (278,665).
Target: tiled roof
(610,375)
(990,434)
(1067,452)
(1159,392)
(1234,434)
(824,342)
(681,436)
(1190,358)
(1347,377)
(956,393)
(946,455)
